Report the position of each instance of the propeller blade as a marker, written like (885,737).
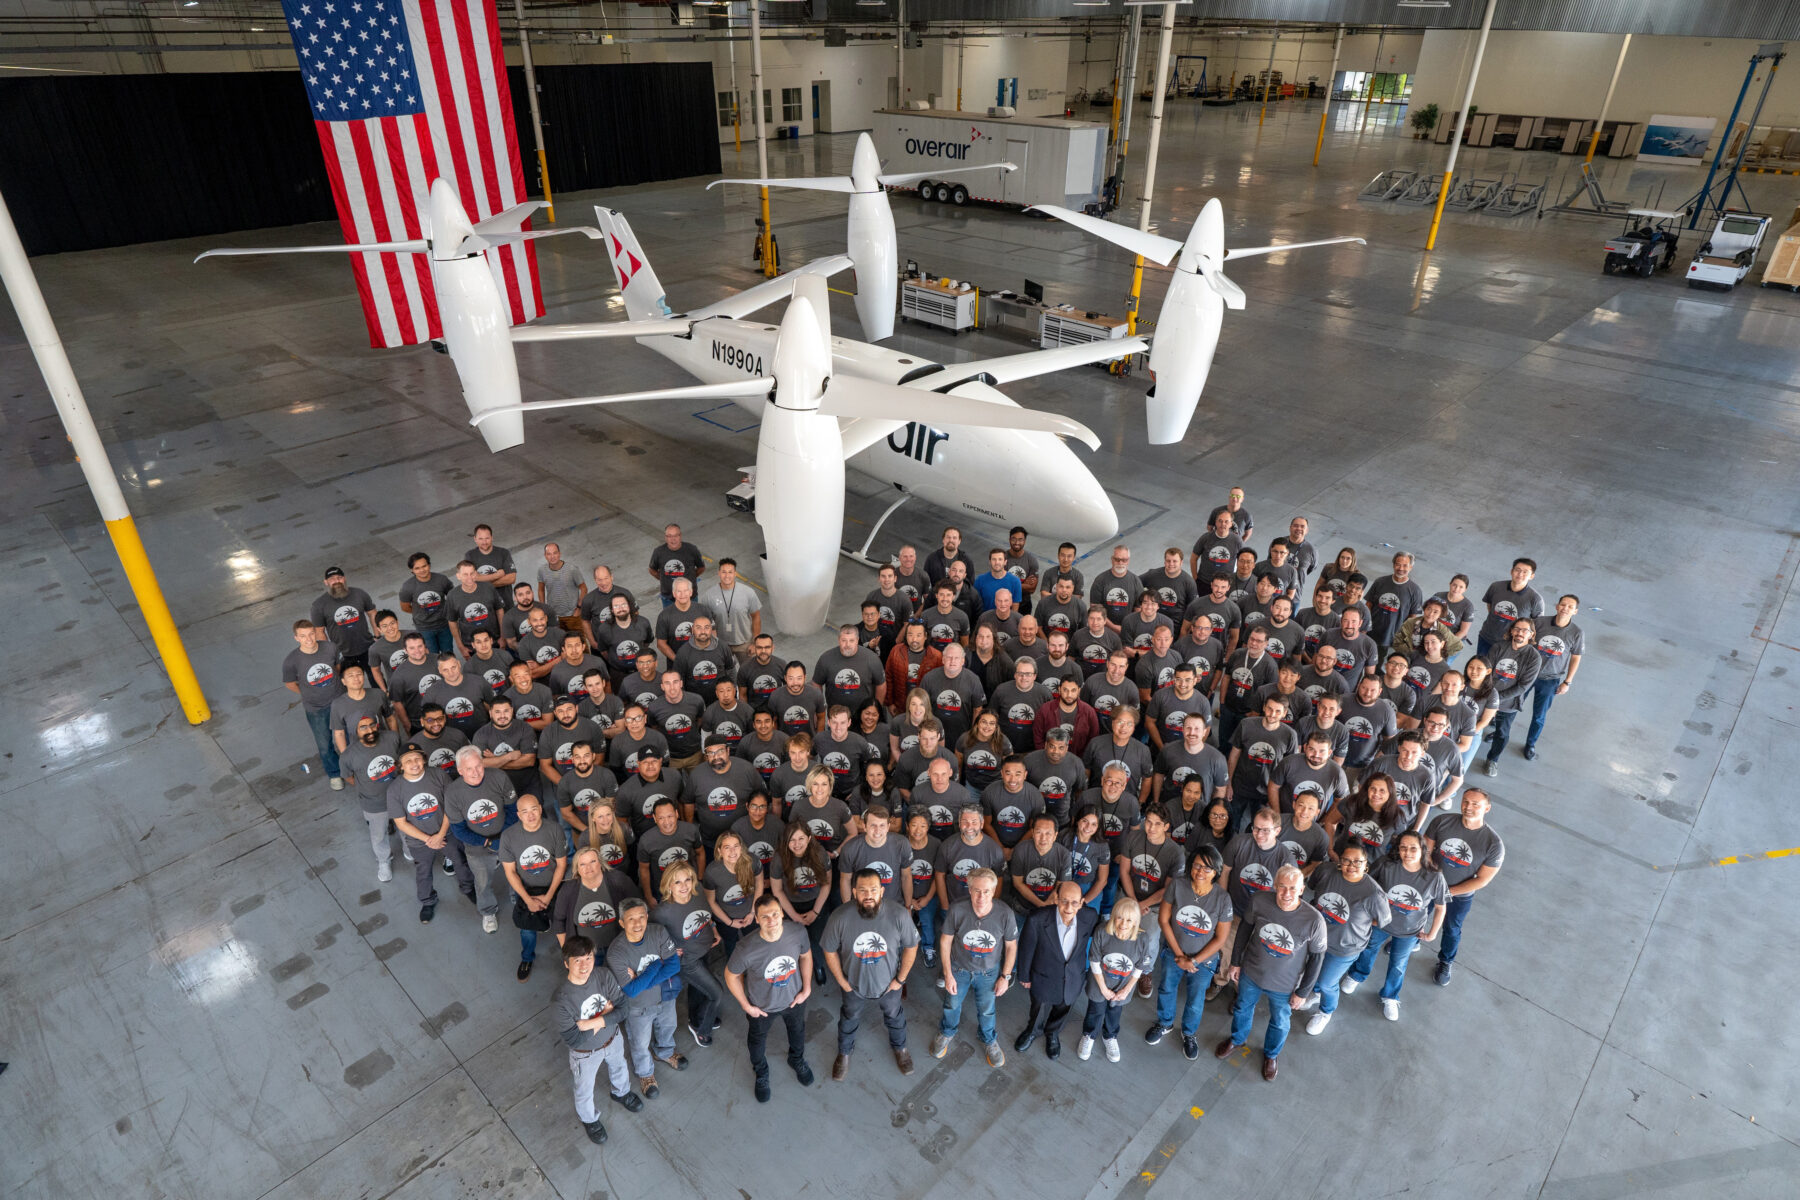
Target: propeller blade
(1024,366)
(1156,249)
(579,330)
(755,386)
(770,292)
(510,220)
(1253,251)
(411,247)
(914,176)
(828,183)
(1229,291)
(493,241)
(851,397)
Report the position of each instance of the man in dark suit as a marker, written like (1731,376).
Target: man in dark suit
(1053,965)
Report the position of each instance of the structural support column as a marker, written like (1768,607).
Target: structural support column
(1330,83)
(71,406)
(1594,142)
(1164,43)
(1374,70)
(899,51)
(1126,93)
(767,241)
(1268,77)
(737,99)
(537,121)
(1462,117)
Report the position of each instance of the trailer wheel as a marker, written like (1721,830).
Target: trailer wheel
(943,192)
(959,196)
(925,189)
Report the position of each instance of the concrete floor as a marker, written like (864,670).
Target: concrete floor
(208,995)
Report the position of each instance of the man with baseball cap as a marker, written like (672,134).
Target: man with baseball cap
(346,615)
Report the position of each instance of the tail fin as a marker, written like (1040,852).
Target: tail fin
(641,290)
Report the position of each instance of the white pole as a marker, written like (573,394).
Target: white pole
(1462,117)
(1330,86)
(899,53)
(90,455)
(531,93)
(1164,42)
(1594,142)
(762,135)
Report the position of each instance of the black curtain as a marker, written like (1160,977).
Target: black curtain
(609,126)
(107,160)
(94,161)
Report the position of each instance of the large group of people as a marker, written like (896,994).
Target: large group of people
(1234,770)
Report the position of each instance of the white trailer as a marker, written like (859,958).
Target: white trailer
(1059,162)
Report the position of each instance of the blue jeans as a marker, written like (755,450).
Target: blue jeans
(982,986)
(319,719)
(1482,646)
(1170,978)
(527,944)
(928,920)
(1336,965)
(1543,695)
(1456,911)
(1468,756)
(1245,1012)
(1400,950)
(1109,895)
(439,641)
(1500,730)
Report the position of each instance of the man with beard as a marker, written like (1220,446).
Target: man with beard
(373,761)
(704,662)
(869,948)
(464,700)
(584,784)
(345,615)
(910,661)
(415,801)
(358,701)
(540,645)
(509,745)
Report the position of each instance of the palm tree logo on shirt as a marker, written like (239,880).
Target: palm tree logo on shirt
(1276,939)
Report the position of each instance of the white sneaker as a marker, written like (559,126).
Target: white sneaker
(1312,1001)
(1348,985)
(1085,1050)
(406,853)
(336,783)
(1390,1009)
(1112,1049)
(490,923)
(384,871)
(1317,1025)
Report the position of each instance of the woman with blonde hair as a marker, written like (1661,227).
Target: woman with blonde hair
(903,730)
(732,882)
(1119,952)
(689,920)
(610,836)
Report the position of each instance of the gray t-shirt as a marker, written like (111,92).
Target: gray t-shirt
(826,822)
(722,880)
(719,799)
(956,858)
(891,859)
(1309,845)
(683,562)
(1390,603)
(440,751)
(1056,782)
(796,713)
(1412,788)
(1152,866)
(533,854)
(771,970)
(869,949)
(1041,872)
(1556,646)
(1169,712)
(1411,897)
(954,701)
(1054,615)
(659,851)
(579,793)
(1116,959)
(420,801)
(1011,812)
(1297,777)
(1177,765)
(690,926)
(560,586)
(347,710)
(482,806)
(1369,727)
(848,679)
(1260,751)
(1506,606)
(626,960)
(464,702)
(315,673)
(1461,851)
(845,760)
(593,913)
(373,768)
(1352,911)
(557,741)
(978,944)
(734,609)
(427,600)
(1273,946)
(675,626)
(1194,917)
(345,620)
(474,610)
(599,996)
(1253,869)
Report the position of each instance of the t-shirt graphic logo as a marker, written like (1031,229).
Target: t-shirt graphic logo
(593,1006)
(534,858)
(1194,921)
(422,804)
(1117,968)
(695,923)
(980,944)
(670,857)
(482,810)
(950,700)
(846,680)
(1147,866)
(1403,897)
(320,674)
(475,611)
(1333,907)
(381,767)
(869,946)
(596,913)
(1456,852)
(782,970)
(459,706)
(1276,940)
(1256,877)
(346,615)
(721,800)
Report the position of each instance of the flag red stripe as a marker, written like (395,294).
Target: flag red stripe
(450,119)
(413,193)
(378,218)
(478,119)
(429,172)
(371,318)
(531,303)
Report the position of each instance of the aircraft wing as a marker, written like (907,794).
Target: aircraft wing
(578,330)
(1254,251)
(1153,247)
(1025,366)
(764,294)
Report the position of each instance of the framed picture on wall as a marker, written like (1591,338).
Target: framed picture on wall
(1680,140)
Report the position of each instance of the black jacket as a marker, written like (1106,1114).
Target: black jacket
(1041,963)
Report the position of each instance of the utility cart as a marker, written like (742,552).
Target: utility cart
(1784,264)
(1647,244)
(1726,256)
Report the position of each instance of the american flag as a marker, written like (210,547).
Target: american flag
(402,92)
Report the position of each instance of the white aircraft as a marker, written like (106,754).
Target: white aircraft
(822,400)
(871,243)
(1187,325)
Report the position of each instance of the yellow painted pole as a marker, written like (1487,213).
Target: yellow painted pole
(90,454)
(1594,142)
(1374,70)
(1330,84)
(1268,78)
(762,134)
(1462,116)
(1164,45)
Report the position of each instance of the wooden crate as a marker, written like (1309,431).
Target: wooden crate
(1784,265)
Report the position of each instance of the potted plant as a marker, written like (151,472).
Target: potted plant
(1424,120)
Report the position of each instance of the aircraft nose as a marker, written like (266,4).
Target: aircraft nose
(1084,512)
